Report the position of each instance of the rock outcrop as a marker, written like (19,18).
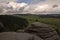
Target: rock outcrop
(1,27)
(18,36)
(43,31)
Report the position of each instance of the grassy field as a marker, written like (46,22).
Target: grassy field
(15,22)
(54,22)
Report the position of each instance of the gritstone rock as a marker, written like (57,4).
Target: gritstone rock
(18,36)
(42,30)
(1,27)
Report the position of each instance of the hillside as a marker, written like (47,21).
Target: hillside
(13,23)
(54,22)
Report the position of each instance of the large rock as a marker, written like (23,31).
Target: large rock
(43,31)
(18,36)
(1,27)
(20,31)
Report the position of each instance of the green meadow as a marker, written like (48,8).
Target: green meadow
(53,22)
(16,22)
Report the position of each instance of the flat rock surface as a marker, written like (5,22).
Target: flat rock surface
(18,36)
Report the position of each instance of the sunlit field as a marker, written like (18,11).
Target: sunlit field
(54,22)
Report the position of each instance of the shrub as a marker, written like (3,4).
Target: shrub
(13,23)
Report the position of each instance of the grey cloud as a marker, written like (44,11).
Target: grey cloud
(1,10)
(54,6)
(13,7)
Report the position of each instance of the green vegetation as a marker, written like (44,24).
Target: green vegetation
(54,22)
(13,23)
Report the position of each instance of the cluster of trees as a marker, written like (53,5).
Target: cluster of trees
(13,23)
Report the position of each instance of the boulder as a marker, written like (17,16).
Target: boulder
(42,30)
(20,31)
(18,36)
(1,27)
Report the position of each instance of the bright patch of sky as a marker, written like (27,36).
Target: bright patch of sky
(30,1)
(25,1)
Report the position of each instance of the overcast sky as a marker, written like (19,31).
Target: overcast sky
(13,6)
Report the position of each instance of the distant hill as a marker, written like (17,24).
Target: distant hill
(42,15)
(51,15)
